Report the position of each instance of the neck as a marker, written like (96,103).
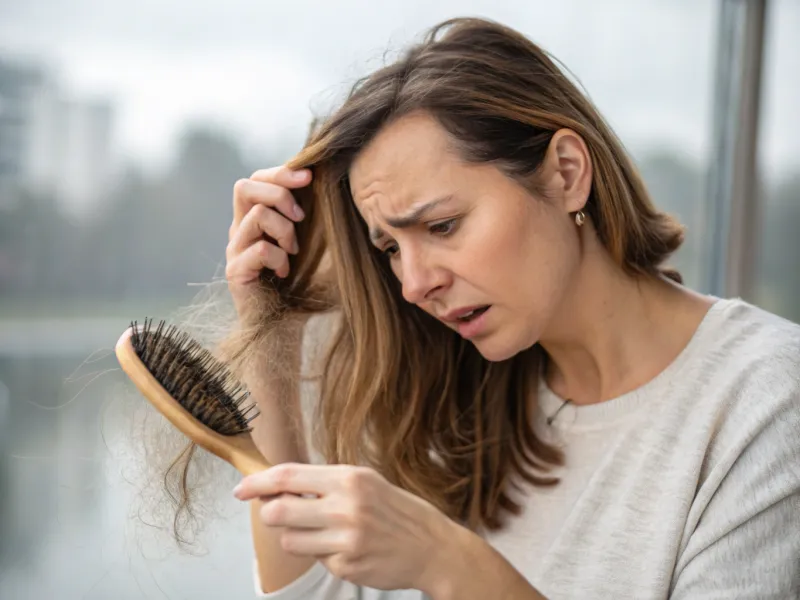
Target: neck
(616,332)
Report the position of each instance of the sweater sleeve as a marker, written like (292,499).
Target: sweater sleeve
(319,584)
(746,541)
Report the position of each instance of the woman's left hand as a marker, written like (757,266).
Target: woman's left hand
(362,528)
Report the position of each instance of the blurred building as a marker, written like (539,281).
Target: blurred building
(17,84)
(51,144)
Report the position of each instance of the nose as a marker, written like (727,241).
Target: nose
(421,279)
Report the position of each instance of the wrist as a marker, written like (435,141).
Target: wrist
(453,550)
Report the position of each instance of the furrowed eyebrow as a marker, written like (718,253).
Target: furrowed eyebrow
(409,220)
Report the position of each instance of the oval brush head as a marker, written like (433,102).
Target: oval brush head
(196,392)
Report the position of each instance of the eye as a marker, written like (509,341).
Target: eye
(444,228)
(390,251)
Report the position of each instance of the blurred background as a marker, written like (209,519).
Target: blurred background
(123,127)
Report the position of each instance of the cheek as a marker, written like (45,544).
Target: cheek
(501,250)
(523,260)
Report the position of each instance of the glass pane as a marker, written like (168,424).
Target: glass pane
(778,281)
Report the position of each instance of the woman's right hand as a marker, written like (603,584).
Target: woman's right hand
(263,205)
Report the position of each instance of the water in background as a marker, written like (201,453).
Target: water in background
(67,523)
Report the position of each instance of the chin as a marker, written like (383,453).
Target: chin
(497,348)
(495,351)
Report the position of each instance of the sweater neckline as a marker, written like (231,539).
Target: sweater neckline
(614,409)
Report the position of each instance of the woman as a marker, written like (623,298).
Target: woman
(520,401)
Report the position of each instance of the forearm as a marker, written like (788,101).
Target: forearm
(470,569)
(279,435)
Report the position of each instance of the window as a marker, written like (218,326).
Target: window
(778,271)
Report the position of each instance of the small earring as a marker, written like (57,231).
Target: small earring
(580,218)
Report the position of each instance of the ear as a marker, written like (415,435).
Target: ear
(569,169)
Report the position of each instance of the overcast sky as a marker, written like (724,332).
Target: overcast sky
(257,67)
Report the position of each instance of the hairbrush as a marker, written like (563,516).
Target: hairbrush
(195,391)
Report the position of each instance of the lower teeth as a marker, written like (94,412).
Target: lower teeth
(473,315)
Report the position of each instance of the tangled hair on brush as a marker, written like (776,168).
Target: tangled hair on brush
(399,391)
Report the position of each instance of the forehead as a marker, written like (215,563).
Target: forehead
(402,164)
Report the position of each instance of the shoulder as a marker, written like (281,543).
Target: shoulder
(746,412)
(740,383)
(744,388)
(749,350)
(737,323)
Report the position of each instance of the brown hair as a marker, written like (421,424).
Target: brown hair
(399,391)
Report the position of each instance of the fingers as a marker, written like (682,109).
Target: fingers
(245,267)
(262,220)
(293,478)
(314,542)
(294,511)
(249,192)
(283,176)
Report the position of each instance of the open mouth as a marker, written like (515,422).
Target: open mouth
(472,315)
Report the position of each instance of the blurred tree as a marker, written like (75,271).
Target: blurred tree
(33,232)
(164,233)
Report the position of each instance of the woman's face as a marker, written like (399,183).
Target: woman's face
(470,246)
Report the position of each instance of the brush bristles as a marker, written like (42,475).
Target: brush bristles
(203,385)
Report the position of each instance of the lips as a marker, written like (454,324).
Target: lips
(473,323)
(465,314)
(472,314)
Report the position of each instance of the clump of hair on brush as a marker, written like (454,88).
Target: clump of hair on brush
(199,395)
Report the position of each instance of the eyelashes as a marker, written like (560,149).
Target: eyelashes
(440,229)
(443,228)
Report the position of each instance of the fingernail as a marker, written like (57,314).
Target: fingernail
(295,247)
(237,490)
(299,175)
(298,212)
